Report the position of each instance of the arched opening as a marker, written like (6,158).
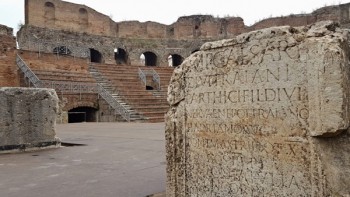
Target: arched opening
(149,58)
(49,14)
(149,87)
(83,18)
(95,56)
(82,114)
(175,60)
(120,56)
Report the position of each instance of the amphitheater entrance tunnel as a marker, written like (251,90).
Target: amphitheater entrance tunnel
(82,114)
(149,58)
(175,60)
(95,56)
(120,56)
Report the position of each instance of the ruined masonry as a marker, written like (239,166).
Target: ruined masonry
(28,119)
(262,114)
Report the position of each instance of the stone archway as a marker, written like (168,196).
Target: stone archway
(82,114)
(121,56)
(175,60)
(150,58)
(95,56)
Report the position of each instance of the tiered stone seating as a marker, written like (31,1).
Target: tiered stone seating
(151,104)
(124,79)
(50,67)
(64,76)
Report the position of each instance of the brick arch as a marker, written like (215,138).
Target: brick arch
(83,18)
(73,105)
(175,59)
(121,55)
(151,57)
(49,13)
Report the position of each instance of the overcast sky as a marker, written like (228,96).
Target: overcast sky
(167,12)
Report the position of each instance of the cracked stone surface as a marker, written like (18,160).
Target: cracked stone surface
(262,114)
(28,119)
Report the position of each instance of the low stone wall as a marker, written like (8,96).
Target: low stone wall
(28,119)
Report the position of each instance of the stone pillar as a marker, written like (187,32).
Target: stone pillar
(28,119)
(263,114)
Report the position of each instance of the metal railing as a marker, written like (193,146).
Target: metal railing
(28,73)
(73,87)
(155,76)
(120,109)
(107,96)
(142,77)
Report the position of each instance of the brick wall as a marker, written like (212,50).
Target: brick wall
(8,68)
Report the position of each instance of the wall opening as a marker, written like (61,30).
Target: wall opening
(149,87)
(149,58)
(120,56)
(82,114)
(49,14)
(196,30)
(175,60)
(95,56)
(83,18)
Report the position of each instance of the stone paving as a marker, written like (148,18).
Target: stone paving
(114,160)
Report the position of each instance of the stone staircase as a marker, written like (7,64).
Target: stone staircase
(124,79)
(107,85)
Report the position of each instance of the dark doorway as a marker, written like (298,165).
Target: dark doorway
(120,56)
(82,114)
(149,88)
(176,60)
(150,59)
(95,56)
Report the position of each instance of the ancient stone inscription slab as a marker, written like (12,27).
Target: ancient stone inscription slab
(28,119)
(244,112)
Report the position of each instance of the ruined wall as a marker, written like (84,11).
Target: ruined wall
(8,68)
(61,15)
(57,14)
(206,26)
(79,44)
(54,23)
(339,13)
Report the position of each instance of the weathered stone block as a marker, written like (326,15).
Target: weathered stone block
(263,114)
(28,119)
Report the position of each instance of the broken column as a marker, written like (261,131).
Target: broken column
(263,114)
(28,119)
